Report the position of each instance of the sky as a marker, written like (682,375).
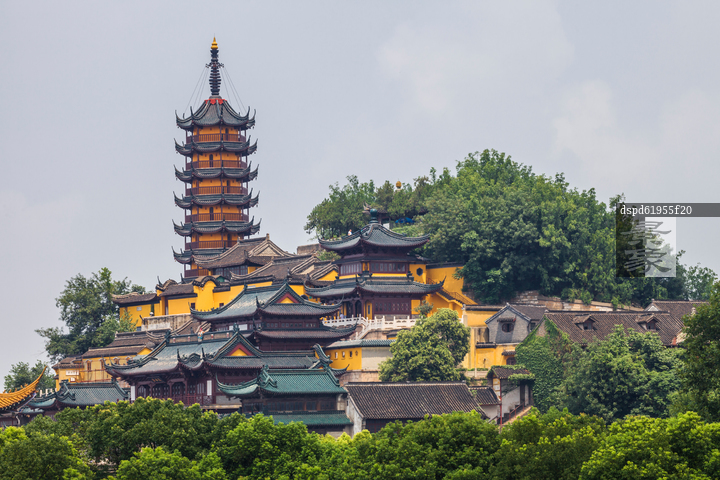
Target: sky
(622,97)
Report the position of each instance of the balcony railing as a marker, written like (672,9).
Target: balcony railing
(215,137)
(219,163)
(216,190)
(209,244)
(216,217)
(380,322)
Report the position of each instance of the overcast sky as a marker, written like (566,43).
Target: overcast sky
(621,97)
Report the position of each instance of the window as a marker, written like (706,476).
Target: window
(350,353)
(139,309)
(350,269)
(419,272)
(335,354)
(343,354)
(507,327)
(388,267)
(221,305)
(192,305)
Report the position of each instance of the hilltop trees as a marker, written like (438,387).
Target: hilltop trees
(85,306)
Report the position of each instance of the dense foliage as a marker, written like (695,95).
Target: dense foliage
(87,310)
(430,351)
(158,440)
(700,372)
(22,374)
(627,373)
(512,230)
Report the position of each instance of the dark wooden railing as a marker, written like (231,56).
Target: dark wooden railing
(215,137)
(196,272)
(216,190)
(209,244)
(190,399)
(218,163)
(216,217)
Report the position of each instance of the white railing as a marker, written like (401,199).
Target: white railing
(379,322)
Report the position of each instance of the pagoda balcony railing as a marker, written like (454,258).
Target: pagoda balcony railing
(216,190)
(196,272)
(218,163)
(216,217)
(379,322)
(209,244)
(215,137)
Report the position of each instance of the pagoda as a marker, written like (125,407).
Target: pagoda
(377,273)
(216,176)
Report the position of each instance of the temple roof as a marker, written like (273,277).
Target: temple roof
(81,395)
(187,201)
(134,298)
(313,419)
(127,344)
(246,228)
(295,267)
(274,300)
(10,400)
(241,174)
(410,400)
(373,235)
(504,373)
(287,382)
(668,326)
(189,352)
(249,251)
(368,284)
(243,148)
(216,111)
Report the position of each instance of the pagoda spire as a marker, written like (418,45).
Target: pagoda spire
(214,69)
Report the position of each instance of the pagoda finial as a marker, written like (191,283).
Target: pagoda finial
(214,69)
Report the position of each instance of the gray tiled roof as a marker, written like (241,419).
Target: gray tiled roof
(374,235)
(410,400)
(377,285)
(81,395)
(216,113)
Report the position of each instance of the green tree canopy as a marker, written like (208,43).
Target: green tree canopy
(85,305)
(430,351)
(22,374)
(627,373)
(700,371)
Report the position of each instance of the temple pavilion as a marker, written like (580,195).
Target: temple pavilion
(216,176)
(11,403)
(377,273)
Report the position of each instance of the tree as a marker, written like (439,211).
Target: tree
(342,210)
(22,374)
(700,372)
(85,304)
(551,446)
(430,351)
(624,374)
(49,457)
(650,448)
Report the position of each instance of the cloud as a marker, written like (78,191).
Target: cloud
(488,50)
(679,145)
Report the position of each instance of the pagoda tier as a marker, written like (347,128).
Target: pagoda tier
(216,112)
(244,228)
(239,174)
(243,201)
(236,144)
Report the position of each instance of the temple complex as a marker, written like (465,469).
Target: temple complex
(216,176)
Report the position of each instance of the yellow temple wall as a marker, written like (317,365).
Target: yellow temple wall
(341,357)
(437,275)
(419,278)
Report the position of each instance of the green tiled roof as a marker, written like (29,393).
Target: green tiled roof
(81,395)
(360,343)
(287,382)
(313,419)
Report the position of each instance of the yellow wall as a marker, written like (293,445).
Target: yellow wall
(477,318)
(92,373)
(338,361)
(452,284)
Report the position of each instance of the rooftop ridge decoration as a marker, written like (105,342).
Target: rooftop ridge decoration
(14,398)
